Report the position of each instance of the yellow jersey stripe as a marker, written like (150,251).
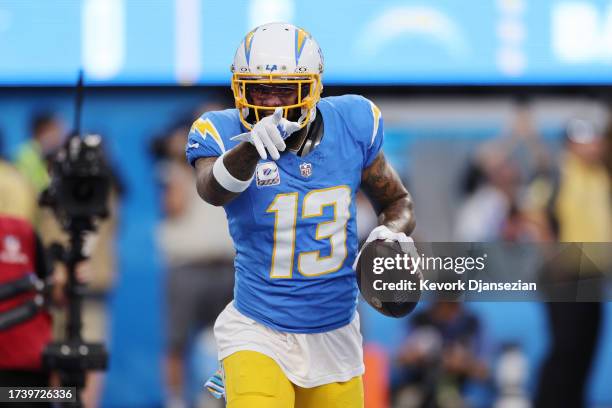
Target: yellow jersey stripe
(376,115)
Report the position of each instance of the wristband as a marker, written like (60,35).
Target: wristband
(226,180)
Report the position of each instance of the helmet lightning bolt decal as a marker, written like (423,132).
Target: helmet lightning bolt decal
(300,40)
(248,44)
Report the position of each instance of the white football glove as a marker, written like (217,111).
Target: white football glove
(383,233)
(269,134)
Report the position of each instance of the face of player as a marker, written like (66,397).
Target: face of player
(273,95)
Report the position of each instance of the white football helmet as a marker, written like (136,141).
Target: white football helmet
(278,54)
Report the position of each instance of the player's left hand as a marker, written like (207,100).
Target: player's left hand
(383,233)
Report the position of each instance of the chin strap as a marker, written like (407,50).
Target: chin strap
(312,117)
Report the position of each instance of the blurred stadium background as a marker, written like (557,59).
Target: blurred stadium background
(451,78)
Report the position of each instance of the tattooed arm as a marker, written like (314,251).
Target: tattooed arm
(390,198)
(239,161)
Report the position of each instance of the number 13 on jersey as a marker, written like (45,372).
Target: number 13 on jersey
(310,263)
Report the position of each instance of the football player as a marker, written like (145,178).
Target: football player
(286,165)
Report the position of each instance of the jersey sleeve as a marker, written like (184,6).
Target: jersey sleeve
(205,138)
(376,135)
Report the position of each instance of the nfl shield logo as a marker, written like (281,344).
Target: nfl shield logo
(306,169)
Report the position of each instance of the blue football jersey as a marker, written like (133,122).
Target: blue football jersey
(294,227)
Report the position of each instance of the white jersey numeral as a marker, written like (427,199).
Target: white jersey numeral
(310,263)
(285,206)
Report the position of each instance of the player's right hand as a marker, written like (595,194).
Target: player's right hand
(266,135)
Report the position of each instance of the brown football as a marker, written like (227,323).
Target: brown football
(393,303)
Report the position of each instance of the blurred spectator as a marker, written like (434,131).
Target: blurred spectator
(481,217)
(442,352)
(48,134)
(581,212)
(495,183)
(25,321)
(511,373)
(17,198)
(33,161)
(25,328)
(583,206)
(199,253)
(608,142)
(21,255)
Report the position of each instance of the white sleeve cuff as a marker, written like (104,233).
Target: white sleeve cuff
(226,180)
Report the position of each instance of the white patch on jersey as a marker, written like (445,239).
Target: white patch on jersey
(267,174)
(306,169)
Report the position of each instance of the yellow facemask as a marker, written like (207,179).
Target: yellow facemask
(306,101)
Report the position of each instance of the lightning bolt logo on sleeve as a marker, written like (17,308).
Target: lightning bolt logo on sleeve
(205,127)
